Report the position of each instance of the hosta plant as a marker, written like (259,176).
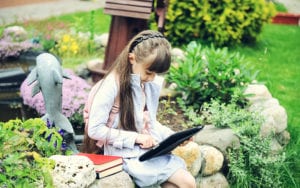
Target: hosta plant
(210,73)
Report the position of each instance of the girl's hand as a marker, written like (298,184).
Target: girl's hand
(145,141)
(187,141)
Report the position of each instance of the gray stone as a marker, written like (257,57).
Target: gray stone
(279,115)
(217,137)
(15,33)
(214,181)
(260,105)
(95,65)
(268,127)
(275,146)
(177,53)
(73,171)
(283,138)
(258,91)
(119,180)
(101,40)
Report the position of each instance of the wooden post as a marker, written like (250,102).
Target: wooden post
(122,29)
(129,17)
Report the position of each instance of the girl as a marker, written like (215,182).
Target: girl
(122,114)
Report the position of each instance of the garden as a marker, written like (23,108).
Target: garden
(219,58)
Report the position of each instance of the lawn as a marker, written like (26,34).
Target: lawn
(95,22)
(276,55)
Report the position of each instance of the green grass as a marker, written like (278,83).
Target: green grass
(277,56)
(280,7)
(80,20)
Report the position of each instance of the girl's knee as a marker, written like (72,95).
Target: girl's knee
(189,181)
(183,179)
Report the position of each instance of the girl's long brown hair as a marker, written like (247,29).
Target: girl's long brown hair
(143,45)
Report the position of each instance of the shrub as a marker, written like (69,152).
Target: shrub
(252,164)
(209,73)
(24,149)
(74,95)
(222,22)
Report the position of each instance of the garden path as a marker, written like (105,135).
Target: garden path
(38,11)
(293,6)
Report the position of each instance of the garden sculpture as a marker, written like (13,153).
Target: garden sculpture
(48,75)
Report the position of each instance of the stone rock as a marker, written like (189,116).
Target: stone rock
(259,105)
(219,138)
(82,71)
(258,91)
(118,180)
(275,146)
(275,116)
(15,33)
(279,115)
(83,35)
(212,160)
(267,127)
(73,171)
(283,138)
(214,181)
(191,155)
(177,53)
(101,40)
(95,65)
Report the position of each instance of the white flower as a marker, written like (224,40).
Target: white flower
(236,71)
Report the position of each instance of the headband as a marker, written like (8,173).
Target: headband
(143,38)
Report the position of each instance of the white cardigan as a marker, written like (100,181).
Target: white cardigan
(119,142)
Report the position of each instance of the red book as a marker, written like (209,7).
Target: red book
(103,162)
(109,171)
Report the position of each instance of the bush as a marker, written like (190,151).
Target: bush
(209,73)
(252,164)
(24,149)
(222,22)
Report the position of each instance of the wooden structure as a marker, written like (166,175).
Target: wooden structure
(129,17)
(140,9)
(286,18)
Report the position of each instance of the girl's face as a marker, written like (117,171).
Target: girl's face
(141,68)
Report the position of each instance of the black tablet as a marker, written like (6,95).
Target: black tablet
(170,143)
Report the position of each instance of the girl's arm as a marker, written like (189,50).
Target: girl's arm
(99,114)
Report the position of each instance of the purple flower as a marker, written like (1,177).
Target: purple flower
(9,48)
(64,146)
(61,132)
(49,124)
(74,95)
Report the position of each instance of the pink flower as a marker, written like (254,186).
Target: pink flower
(74,95)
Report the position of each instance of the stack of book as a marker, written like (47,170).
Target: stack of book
(105,165)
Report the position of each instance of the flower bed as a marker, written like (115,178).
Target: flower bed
(75,92)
